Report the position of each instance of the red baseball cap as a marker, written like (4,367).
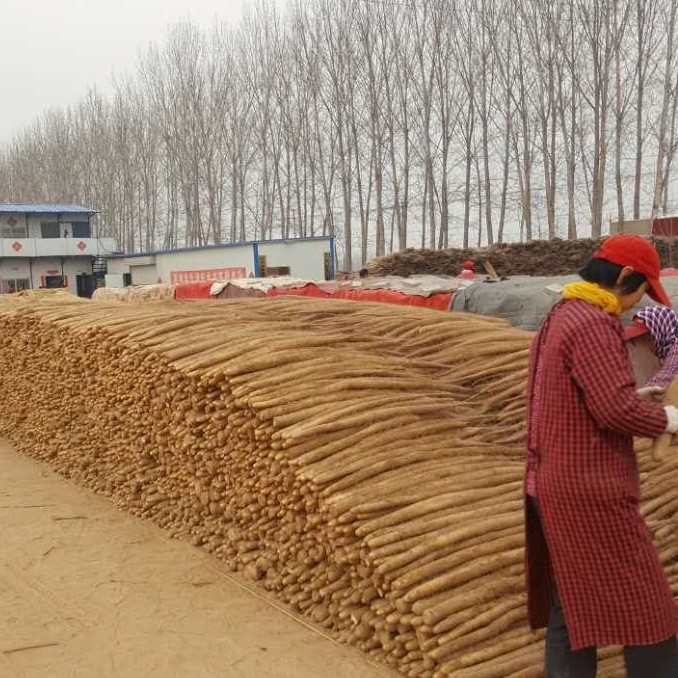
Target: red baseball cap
(636,329)
(641,256)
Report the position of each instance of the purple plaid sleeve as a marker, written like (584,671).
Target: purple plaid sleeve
(662,322)
(669,369)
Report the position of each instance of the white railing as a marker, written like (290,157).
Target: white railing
(57,247)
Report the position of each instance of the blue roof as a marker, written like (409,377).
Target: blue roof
(247,243)
(44,208)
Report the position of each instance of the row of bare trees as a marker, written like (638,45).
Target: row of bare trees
(390,123)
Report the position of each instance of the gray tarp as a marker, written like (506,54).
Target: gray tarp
(525,301)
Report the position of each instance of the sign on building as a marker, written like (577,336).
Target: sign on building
(208,275)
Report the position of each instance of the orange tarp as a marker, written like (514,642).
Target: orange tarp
(194,290)
(305,291)
(439,302)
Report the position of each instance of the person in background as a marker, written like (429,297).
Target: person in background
(659,325)
(593,575)
(467,270)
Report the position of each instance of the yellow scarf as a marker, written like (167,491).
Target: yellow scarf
(594,294)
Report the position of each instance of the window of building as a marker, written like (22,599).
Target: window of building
(54,281)
(81,229)
(14,228)
(12,285)
(50,229)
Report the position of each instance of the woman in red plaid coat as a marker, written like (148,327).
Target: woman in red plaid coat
(593,574)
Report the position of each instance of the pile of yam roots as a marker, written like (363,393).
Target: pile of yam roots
(363,462)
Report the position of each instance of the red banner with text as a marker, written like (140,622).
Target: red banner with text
(212,274)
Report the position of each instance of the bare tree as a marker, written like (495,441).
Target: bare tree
(662,136)
(599,34)
(381,122)
(623,96)
(568,65)
(646,25)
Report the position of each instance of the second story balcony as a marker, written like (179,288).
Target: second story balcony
(57,247)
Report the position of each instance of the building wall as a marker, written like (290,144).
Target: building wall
(56,247)
(32,222)
(114,280)
(144,275)
(45,267)
(305,258)
(37,269)
(14,268)
(75,266)
(117,266)
(72,267)
(21,236)
(200,260)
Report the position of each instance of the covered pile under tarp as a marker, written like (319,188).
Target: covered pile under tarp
(525,301)
(434,292)
(254,287)
(422,285)
(439,302)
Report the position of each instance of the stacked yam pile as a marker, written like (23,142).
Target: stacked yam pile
(363,462)
(60,293)
(160,292)
(538,257)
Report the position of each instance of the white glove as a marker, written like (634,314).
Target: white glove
(652,392)
(672,416)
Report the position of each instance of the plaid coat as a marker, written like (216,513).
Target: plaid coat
(600,552)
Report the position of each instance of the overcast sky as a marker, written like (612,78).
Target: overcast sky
(52,50)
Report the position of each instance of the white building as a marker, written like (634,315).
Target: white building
(308,258)
(49,246)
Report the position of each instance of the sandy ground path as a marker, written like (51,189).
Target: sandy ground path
(87,591)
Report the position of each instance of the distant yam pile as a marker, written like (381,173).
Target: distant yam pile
(537,258)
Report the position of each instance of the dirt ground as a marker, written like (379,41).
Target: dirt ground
(87,591)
